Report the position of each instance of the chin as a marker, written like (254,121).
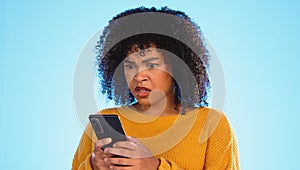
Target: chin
(143,101)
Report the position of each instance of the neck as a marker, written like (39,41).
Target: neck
(158,109)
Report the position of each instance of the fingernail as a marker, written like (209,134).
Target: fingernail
(105,160)
(108,140)
(96,147)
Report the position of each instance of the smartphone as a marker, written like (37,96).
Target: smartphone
(107,126)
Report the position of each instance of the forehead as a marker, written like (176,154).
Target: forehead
(141,54)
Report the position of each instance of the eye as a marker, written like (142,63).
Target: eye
(152,65)
(129,66)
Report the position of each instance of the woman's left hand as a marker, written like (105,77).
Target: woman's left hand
(136,156)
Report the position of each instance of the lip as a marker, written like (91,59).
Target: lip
(142,92)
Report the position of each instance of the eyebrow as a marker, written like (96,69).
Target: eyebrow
(144,61)
(128,61)
(150,59)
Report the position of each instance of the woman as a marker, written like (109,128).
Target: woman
(153,63)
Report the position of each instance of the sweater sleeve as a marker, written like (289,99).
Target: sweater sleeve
(82,157)
(167,165)
(222,149)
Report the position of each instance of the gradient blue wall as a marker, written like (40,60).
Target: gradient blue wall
(257,43)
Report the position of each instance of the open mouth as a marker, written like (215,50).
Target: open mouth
(142,91)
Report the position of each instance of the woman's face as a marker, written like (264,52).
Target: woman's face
(148,76)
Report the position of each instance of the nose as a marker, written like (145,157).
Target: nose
(141,76)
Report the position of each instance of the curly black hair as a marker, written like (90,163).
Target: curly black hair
(167,29)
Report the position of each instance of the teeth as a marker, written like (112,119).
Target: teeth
(143,90)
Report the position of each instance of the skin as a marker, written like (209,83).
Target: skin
(99,155)
(149,71)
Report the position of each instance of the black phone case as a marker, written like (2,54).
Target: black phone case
(107,126)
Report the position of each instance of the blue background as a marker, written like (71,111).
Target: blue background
(257,43)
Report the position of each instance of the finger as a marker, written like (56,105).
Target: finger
(98,152)
(119,161)
(98,156)
(100,143)
(116,167)
(134,140)
(98,159)
(129,137)
(126,144)
(119,151)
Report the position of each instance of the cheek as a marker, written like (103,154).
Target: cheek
(165,80)
(165,73)
(169,80)
(128,78)
(130,82)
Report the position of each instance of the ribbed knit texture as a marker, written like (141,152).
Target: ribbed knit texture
(200,139)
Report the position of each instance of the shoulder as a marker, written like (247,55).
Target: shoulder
(210,111)
(213,116)
(216,123)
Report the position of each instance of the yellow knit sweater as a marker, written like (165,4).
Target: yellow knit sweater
(200,139)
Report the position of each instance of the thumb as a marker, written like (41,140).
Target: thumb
(134,140)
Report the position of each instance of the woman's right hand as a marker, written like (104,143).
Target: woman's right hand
(99,155)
